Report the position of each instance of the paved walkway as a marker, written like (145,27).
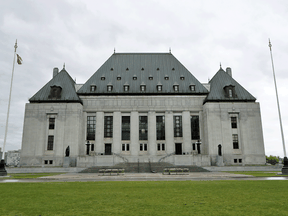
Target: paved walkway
(197,176)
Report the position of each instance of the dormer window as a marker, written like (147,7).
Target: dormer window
(118,77)
(103,77)
(142,88)
(192,88)
(230,91)
(173,69)
(92,88)
(176,88)
(150,77)
(112,69)
(142,69)
(159,87)
(134,77)
(158,69)
(109,87)
(55,92)
(126,88)
(127,69)
(166,77)
(182,78)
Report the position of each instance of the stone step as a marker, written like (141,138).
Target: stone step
(143,167)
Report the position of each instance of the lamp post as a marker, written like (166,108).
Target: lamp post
(198,143)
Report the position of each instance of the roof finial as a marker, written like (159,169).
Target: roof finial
(220,66)
(64,65)
(169,49)
(114,50)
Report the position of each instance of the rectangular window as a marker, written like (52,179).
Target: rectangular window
(92,147)
(125,147)
(160,127)
(91,126)
(51,123)
(195,133)
(143,128)
(45,161)
(235,160)
(177,126)
(163,147)
(125,127)
(50,161)
(160,147)
(50,143)
(233,122)
(108,126)
(235,141)
(193,146)
(143,146)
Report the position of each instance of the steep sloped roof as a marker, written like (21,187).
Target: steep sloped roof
(135,69)
(67,84)
(217,92)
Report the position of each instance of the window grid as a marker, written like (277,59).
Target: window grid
(160,127)
(125,127)
(177,126)
(143,128)
(91,126)
(195,133)
(51,123)
(233,122)
(108,126)
(50,143)
(235,141)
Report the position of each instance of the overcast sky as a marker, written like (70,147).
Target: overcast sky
(201,34)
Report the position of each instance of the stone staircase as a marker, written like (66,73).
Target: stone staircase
(143,167)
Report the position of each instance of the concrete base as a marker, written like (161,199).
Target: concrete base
(66,162)
(3,171)
(219,161)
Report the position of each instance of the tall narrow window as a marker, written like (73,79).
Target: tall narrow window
(230,93)
(108,126)
(233,122)
(195,134)
(125,127)
(50,143)
(160,127)
(143,128)
(235,141)
(51,123)
(177,126)
(91,126)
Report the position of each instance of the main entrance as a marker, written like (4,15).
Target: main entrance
(178,148)
(108,149)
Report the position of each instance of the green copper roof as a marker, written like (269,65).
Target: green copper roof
(67,85)
(136,69)
(217,92)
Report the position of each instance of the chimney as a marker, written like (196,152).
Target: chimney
(55,71)
(229,71)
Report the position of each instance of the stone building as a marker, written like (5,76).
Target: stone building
(142,107)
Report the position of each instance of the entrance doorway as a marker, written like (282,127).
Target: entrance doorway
(178,148)
(108,149)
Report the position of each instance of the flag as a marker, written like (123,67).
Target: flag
(19,59)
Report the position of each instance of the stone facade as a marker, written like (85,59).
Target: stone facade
(79,120)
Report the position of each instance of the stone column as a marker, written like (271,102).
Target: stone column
(116,147)
(99,140)
(169,132)
(186,127)
(152,133)
(134,133)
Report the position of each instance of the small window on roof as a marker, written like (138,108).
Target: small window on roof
(134,77)
(166,77)
(127,69)
(150,77)
(182,77)
(158,69)
(173,69)
(142,69)
(142,88)
(192,87)
(103,78)
(112,69)
(118,77)
(126,88)
(92,88)
(159,88)
(176,88)
(109,88)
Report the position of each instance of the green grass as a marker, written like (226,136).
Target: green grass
(28,175)
(259,173)
(145,198)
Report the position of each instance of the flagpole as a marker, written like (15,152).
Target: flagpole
(7,119)
(283,140)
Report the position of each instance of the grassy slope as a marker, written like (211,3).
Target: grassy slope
(259,173)
(145,198)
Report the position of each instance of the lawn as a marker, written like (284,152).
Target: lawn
(145,198)
(29,175)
